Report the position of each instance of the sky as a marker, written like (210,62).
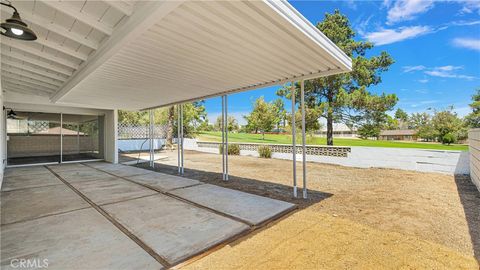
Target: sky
(435,45)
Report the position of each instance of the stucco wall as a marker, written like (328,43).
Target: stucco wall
(474,145)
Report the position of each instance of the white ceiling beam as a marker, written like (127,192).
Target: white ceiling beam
(25,84)
(146,15)
(23,47)
(41,63)
(36,70)
(120,6)
(55,28)
(69,10)
(8,86)
(30,75)
(28,81)
(60,48)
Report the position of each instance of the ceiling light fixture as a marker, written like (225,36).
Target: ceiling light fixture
(15,27)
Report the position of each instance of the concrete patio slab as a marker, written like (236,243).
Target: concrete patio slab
(248,207)
(163,181)
(111,190)
(68,167)
(30,203)
(174,229)
(81,239)
(18,171)
(123,170)
(29,181)
(100,164)
(89,174)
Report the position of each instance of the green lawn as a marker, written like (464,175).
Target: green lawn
(287,139)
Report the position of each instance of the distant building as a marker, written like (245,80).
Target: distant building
(398,135)
(340,130)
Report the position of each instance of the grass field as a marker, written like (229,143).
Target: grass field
(287,139)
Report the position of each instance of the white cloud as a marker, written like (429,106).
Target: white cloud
(407,69)
(404,10)
(388,36)
(447,72)
(469,43)
(470,6)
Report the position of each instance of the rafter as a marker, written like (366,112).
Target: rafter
(120,6)
(28,81)
(23,47)
(144,17)
(30,75)
(6,80)
(67,9)
(9,86)
(55,28)
(37,70)
(41,63)
(60,48)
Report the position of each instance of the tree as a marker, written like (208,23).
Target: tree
(280,113)
(422,123)
(401,115)
(446,122)
(232,124)
(262,118)
(391,123)
(335,97)
(473,119)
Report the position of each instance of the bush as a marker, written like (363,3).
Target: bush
(264,151)
(233,149)
(449,138)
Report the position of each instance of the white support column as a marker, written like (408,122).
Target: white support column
(150,137)
(111,136)
(178,139)
(223,138)
(61,137)
(304,148)
(294,142)
(226,138)
(181,138)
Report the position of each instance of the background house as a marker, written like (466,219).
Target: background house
(398,135)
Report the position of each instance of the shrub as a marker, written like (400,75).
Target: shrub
(264,151)
(233,149)
(449,138)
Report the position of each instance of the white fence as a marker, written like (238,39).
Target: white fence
(133,137)
(474,145)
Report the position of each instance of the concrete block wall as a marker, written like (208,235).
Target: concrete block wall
(474,147)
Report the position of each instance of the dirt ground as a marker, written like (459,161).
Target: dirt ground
(354,218)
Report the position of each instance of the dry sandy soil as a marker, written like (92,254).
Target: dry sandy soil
(354,218)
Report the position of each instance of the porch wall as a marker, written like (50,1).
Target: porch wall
(3,140)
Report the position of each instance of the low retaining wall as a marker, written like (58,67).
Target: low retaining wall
(474,146)
(423,160)
(333,151)
(139,144)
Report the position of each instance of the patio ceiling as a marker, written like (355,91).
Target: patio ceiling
(148,54)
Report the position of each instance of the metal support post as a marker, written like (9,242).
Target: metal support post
(304,148)
(226,138)
(294,142)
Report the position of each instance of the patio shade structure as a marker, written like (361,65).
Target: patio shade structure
(148,54)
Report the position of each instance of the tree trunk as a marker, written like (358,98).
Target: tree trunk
(171,119)
(330,123)
(263,135)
